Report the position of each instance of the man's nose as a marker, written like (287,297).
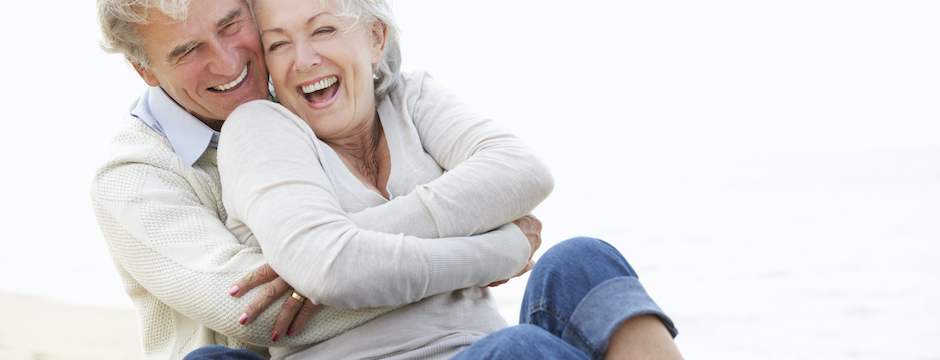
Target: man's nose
(226,60)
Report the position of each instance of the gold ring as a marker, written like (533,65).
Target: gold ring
(297,296)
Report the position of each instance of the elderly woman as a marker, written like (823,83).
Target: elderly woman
(382,198)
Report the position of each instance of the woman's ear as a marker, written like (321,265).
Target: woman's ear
(144,73)
(379,31)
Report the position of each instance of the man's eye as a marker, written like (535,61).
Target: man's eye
(229,29)
(187,53)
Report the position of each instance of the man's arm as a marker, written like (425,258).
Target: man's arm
(168,238)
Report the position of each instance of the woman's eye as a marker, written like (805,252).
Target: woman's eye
(324,31)
(275,46)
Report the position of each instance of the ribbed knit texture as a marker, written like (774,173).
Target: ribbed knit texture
(290,193)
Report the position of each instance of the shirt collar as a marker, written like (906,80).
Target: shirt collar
(189,136)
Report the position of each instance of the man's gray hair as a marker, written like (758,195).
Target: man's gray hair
(386,70)
(118,20)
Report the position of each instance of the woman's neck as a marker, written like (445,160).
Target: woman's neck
(366,156)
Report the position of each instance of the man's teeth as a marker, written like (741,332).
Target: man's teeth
(233,83)
(319,85)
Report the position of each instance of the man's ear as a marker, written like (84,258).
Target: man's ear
(144,73)
(379,31)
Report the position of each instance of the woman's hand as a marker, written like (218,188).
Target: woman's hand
(294,314)
(532,228)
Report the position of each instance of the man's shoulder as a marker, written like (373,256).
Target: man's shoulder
(135,141)
(133,149)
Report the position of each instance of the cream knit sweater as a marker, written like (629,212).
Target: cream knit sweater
(343,245)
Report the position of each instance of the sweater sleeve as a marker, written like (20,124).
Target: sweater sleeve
(276,185)
(508,179)
(162,222)
(173,247)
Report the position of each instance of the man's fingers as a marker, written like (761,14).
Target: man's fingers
(527,268)
(269,292)
(256,277)
(532,228)
(306,312)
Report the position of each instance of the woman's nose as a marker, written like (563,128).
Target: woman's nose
(305,57)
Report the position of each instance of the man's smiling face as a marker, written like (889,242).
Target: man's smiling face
(210,62)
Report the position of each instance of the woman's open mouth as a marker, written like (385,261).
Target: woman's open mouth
(321,91)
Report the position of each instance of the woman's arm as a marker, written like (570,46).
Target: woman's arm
(274,182)
(493,178)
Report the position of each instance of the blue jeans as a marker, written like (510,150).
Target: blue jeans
(578,293)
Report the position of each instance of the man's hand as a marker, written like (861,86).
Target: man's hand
(532,228)
(294,314)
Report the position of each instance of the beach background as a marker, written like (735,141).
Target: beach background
(771,169)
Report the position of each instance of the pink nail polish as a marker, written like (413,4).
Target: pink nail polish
(243,319)
(274,336)
(290,331)
(233,290)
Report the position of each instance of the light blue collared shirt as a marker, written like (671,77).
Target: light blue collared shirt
(189,136)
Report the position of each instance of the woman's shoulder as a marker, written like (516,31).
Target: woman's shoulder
(260,113)
(252,109)
(414,87)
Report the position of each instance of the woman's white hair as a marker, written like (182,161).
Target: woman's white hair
(367,12)
(118,20)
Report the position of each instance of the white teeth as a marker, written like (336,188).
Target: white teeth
(233,83)
(319,85)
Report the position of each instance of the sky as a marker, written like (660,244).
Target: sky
(617,92)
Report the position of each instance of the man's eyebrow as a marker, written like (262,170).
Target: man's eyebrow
(182,49)
(179,51)
(228,18)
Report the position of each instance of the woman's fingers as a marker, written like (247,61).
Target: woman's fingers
(269,292)
(306,312)
(256,277)
(293,316)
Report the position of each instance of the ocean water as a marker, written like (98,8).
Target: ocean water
(770,169)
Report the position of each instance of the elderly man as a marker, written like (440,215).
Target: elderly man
(158,199)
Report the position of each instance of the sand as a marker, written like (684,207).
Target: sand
(34,328)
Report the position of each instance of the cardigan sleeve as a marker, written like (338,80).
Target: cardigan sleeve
(492,177)
(275,185)
(165,234)
(173,247)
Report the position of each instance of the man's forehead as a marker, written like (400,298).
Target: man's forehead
(203,18)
